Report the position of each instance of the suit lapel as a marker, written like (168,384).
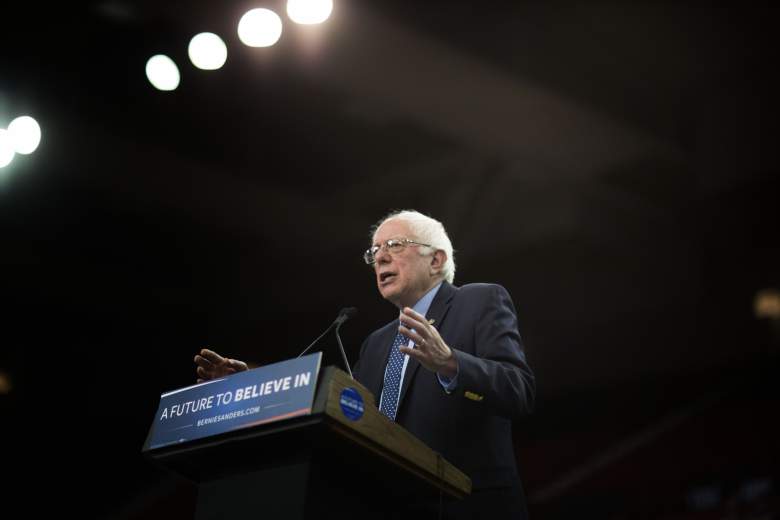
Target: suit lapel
(437,312)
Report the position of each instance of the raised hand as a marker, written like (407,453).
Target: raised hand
(212,366)
(430,349)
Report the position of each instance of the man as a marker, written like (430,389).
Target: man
(451,369)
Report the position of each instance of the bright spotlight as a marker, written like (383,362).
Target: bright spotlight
(309,11)
(25,134)
(6,148)
(207,51)
(260,28)
(162,72)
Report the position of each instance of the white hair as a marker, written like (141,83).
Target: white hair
(429,231)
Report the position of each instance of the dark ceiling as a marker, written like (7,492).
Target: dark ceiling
(614,166)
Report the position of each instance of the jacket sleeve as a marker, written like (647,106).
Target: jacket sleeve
(497,375)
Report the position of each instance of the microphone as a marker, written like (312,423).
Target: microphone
(344,314)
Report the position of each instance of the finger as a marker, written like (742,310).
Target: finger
(412,314)
(414,353)
(237,365)
(202,372)
(413,322)
(205,363)
(413,335)
(212,356)
(408,311)
(201,380)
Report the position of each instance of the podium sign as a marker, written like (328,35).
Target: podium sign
(261,395)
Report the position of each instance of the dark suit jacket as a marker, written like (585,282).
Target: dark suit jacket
(471,427)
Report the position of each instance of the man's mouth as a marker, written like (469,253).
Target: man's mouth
(386,277)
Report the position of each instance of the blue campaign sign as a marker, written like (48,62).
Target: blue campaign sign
(269,393)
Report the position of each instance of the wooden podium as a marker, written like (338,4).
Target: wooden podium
(317,465)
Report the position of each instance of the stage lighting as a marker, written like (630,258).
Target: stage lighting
(309,11)
(6,148)
(25,134)
(162,72)
(5,383)
(207,51)
(766,304)
(259,28)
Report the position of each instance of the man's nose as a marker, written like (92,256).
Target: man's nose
(382,256)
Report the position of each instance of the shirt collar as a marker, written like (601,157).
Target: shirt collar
(424,303)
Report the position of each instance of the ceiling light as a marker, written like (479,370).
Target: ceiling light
(260,28)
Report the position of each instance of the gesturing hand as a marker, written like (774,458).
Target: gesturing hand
(212,366)
(430,350)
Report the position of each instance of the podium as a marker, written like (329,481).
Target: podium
(344,458)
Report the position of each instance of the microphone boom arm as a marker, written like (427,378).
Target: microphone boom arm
(343,316)
(343,353)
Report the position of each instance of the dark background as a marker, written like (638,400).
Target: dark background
(615,166)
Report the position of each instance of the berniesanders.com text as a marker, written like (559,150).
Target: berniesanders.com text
(228,416)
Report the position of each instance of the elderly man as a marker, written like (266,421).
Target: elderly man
(474,379)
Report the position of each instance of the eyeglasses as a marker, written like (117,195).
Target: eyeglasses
(392,246)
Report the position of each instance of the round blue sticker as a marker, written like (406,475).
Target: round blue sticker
(351,404)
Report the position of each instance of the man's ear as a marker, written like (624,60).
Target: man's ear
(438,258)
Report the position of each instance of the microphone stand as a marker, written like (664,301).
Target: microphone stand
(343,316)
(341,348)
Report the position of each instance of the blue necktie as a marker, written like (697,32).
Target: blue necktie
(393,378)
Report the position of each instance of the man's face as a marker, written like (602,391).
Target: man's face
(402,278)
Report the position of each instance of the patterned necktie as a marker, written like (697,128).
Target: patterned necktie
(393,378)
